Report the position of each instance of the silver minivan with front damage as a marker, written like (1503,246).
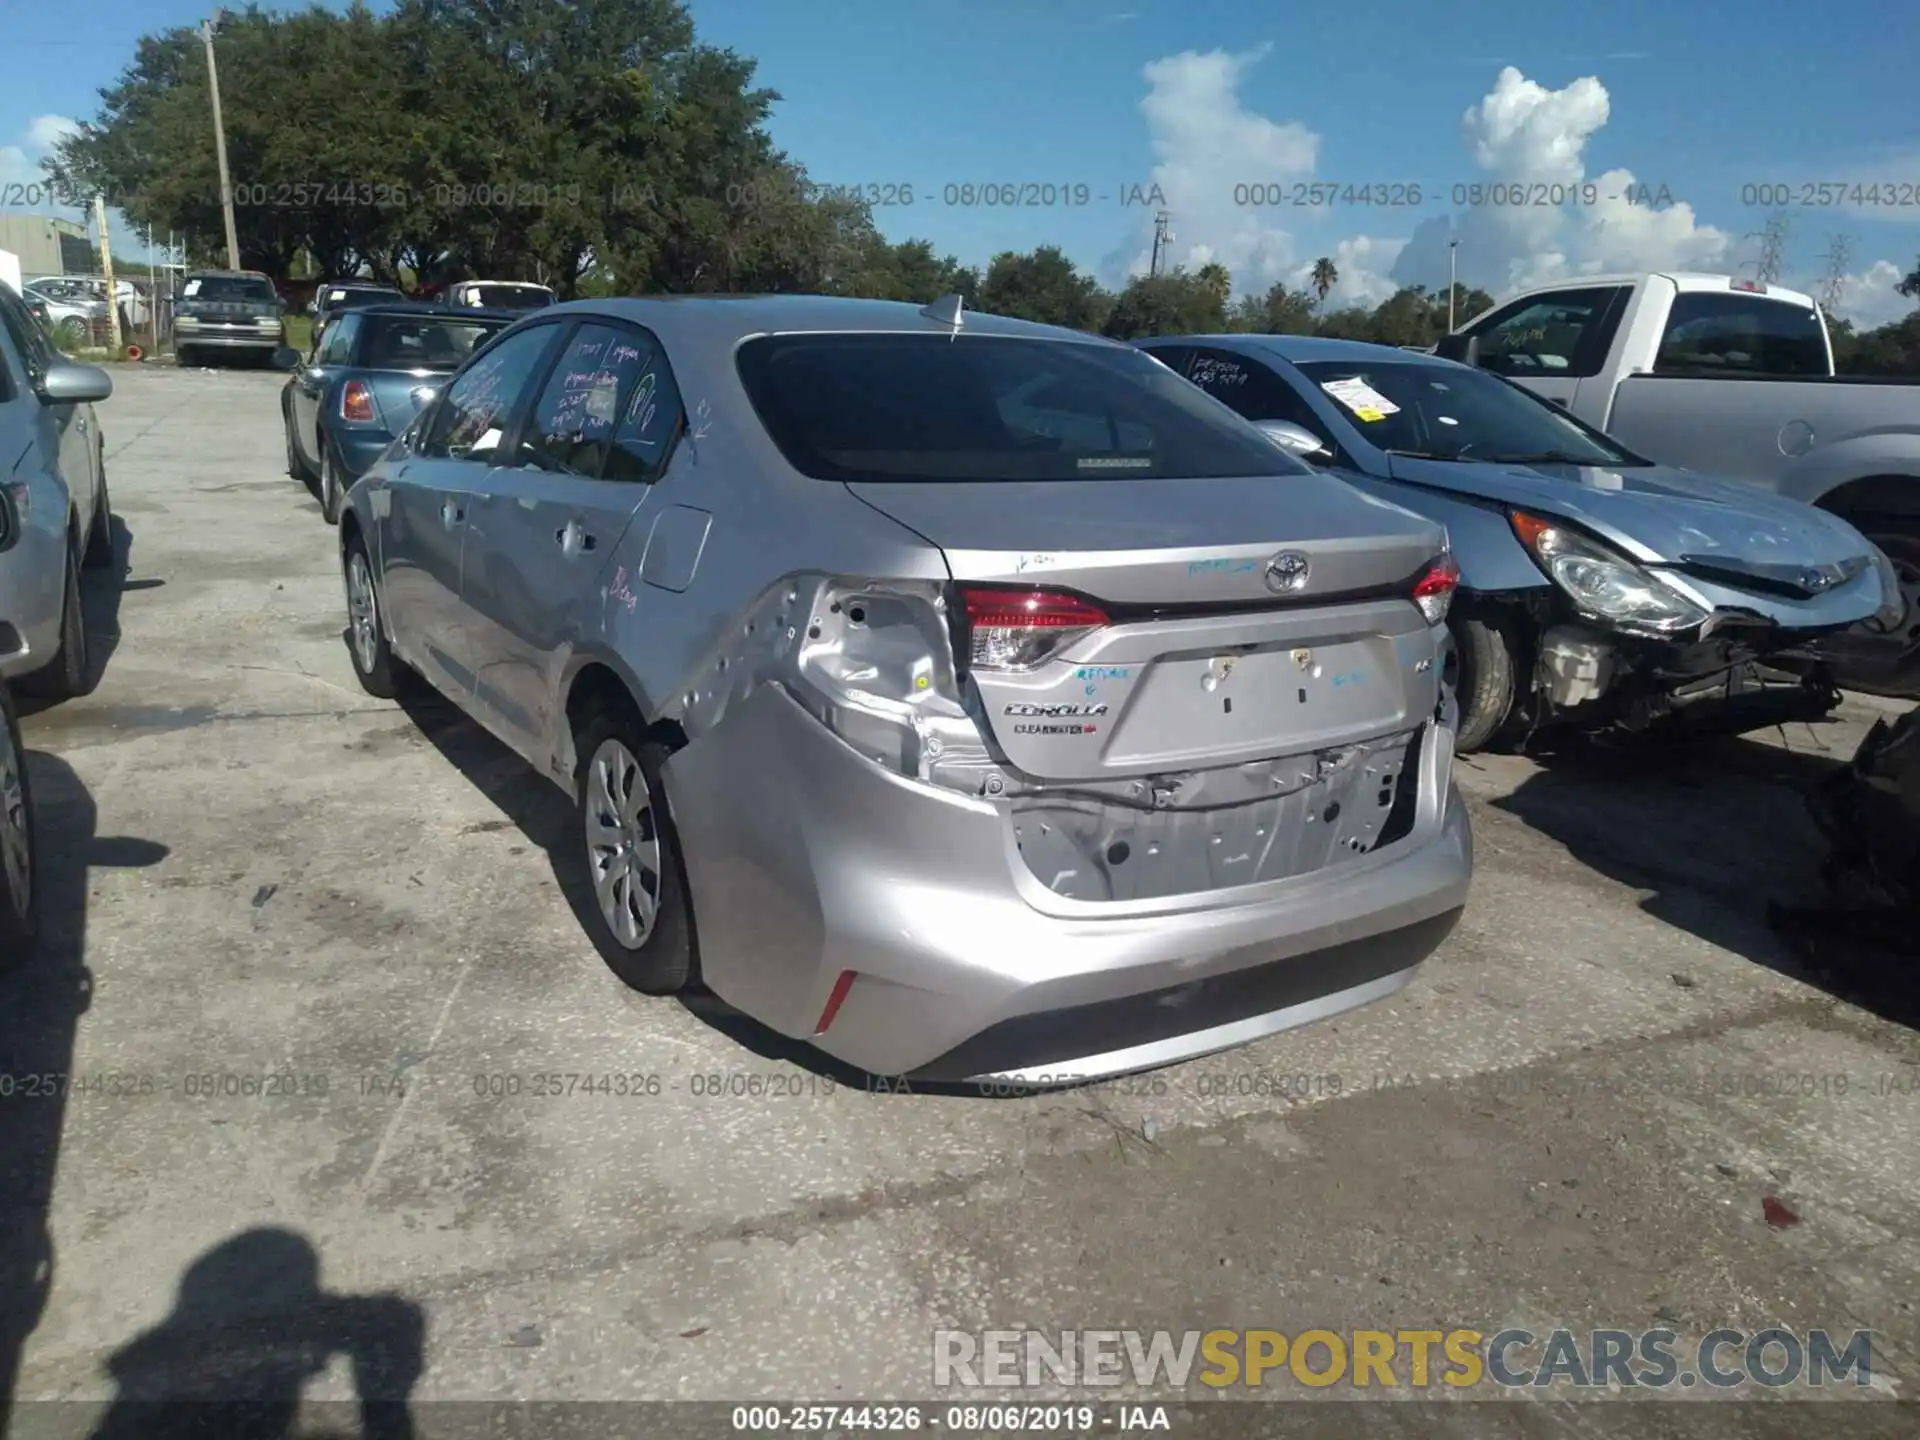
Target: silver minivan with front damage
(967,697)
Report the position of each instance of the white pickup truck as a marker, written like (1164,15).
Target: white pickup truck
(1732,377)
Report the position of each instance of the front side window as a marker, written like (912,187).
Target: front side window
(1713,333)
(1447,412)
(913,407)
(1550,335)
(472,418)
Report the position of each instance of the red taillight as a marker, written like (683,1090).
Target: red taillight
(356,402)
(1018,629)
(1433,591)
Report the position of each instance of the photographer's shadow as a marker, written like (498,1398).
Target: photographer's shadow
(250,1327)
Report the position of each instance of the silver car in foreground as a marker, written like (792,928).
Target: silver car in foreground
(53,465)
(970,698)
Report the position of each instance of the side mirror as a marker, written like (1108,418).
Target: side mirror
(68,383)
(1464,348)
(9,519)
(1296,440)
(286,358)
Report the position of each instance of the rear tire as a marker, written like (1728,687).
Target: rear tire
(69,674)
(1489,656)
(19,910)
(296,467)
(331,493)
(634,889)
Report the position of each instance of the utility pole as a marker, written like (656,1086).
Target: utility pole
(1839,255)
(1162,238)
(106,264)
(220,142)
(1452,247)
(1773,249)
(153,298)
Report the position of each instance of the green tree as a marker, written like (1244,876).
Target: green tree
(1043,285)
(1178,302)
(1325,276)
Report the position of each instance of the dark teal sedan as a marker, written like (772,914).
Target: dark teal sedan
(374,370)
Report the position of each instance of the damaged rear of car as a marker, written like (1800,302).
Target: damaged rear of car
(1141,760)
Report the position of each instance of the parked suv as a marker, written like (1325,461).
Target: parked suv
(227,312)
(1002,705)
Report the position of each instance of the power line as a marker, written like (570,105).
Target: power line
(1838,257)
(1773,249)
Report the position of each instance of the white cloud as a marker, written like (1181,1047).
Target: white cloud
(22,168)
(1205,143)
(44,131)
(1521,132)
(1869,298)
(1364,264)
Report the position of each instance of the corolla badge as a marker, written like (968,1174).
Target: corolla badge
(1287,571)
(1814,582)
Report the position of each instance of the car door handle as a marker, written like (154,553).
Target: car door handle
(573,539)
(451,514)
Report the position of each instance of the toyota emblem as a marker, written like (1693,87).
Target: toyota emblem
(1815,581)
(1287,571)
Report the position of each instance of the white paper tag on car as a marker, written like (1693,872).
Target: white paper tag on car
(1361,398)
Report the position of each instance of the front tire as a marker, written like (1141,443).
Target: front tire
(374,663)
(1897,677)
(19,910)
(69,674)
(1488,658)
(100,539)
(636,892)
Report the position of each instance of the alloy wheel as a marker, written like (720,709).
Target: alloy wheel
(623,844)
(363,610)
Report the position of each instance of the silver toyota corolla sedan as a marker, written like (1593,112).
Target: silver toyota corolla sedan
(971,698)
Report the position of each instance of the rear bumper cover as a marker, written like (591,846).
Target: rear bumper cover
(805,860)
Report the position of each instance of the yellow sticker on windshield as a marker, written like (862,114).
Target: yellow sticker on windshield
(1368,414)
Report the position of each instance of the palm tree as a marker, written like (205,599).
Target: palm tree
(1325,277)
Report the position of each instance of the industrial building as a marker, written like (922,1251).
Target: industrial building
(47,245)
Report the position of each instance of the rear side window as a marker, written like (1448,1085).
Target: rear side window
(1714,333)
(934,407)
(338,345)
(1564,333)
(1252,389)
(573,426)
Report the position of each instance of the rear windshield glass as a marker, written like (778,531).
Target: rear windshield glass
(991,407)
(228,287)
(408,342)
(506,297)
(345,298)
(1449,412)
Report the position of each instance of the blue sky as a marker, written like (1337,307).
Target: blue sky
(1204,97)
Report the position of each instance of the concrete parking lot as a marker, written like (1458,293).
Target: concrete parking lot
(1577,1116)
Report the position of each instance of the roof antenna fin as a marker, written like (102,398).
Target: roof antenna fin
(945,310)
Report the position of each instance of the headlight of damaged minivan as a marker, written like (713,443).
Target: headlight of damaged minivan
(1603,583)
